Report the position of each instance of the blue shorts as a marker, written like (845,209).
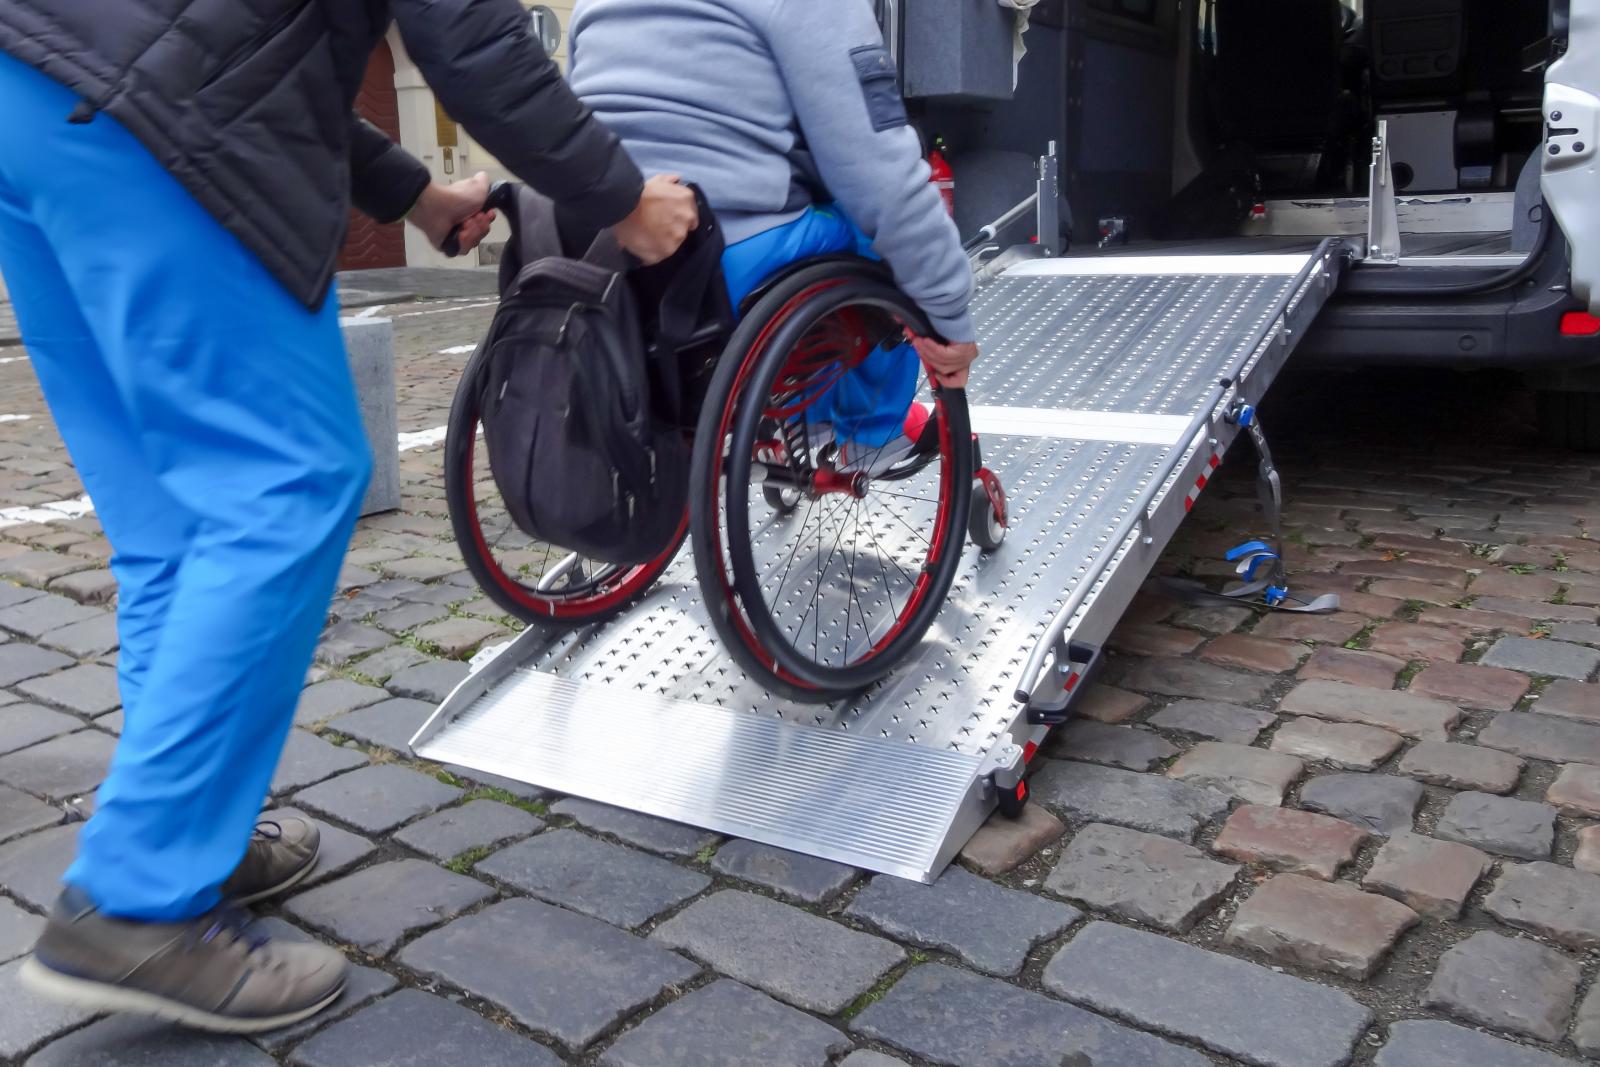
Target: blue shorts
(867,406)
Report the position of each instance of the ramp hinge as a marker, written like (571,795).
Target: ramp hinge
(1383,217)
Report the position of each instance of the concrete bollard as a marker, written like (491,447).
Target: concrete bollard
(369,346)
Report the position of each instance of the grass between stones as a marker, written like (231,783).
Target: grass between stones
(1364,637)
(879,991)
(489,792)
(464,862)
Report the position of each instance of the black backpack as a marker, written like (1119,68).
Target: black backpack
(584,451)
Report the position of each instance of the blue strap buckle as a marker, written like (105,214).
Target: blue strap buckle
(1236,554)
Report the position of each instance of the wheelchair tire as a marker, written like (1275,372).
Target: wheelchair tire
(533,582)
(983,525)
(728,486)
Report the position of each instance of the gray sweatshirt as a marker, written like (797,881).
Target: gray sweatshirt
(756,100)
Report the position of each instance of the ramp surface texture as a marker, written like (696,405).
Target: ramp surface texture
(1099,395)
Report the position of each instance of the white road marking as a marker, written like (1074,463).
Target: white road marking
(77,507)
(369,312)
(441,311)
(12,359)
(52,512)
(422,439)
(457,350)
(15,418)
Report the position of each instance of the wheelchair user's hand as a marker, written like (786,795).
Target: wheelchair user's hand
(665,217)
(947,363)
(458,207)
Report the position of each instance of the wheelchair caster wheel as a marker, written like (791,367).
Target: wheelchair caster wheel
(1012,801)
(983,525)
(783,501)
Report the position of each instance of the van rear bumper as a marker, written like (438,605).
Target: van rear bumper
(1513,329)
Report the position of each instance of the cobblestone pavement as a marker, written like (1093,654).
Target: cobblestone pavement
(1371,837)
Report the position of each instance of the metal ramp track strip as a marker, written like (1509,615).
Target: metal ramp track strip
(820,792)
(1114,385)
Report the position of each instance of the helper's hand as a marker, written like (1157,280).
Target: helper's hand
(947,363)
(442,208)
(666,215)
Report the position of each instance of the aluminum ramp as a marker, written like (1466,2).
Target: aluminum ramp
(1104,398)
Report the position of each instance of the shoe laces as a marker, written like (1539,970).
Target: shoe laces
(233,923)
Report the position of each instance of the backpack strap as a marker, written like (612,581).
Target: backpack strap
(693,294)
(534,233)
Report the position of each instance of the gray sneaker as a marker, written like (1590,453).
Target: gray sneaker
(217,972)
(281,854)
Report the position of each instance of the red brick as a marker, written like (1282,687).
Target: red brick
(1351,557)
(1509,583)
(1405,589)
(1288,840)
(1472,685)
(1255,653)
(1329,583)
(1371,669)
(1409,640)
(1328,926)
(1373,607)
(1146,639)
(1474,620)
(1431,573)
(1570,700)
(1325,536)
(1532,610)
(1587,858)
(1462,766)
(1524,555)
(1334,629)
(1581,589)
(1405,713)
(1150,607)
(1003,843)
(1576,791)
(1434,877)
(1401,542)
(1343,744)
(1107,703)
(1254,775)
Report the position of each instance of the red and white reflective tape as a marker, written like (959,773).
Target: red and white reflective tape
(1200,482)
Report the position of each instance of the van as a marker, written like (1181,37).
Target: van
(1451,144)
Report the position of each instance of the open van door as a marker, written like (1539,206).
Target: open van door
(1571,178)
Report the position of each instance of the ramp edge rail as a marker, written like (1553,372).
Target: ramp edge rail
(1292,313)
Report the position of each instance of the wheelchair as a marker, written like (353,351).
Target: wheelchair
(819,575)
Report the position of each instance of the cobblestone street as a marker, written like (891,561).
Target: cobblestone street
(1370,837)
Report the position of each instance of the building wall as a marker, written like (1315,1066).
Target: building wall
(420,135)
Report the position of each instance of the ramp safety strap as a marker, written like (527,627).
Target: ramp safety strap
(1259,563)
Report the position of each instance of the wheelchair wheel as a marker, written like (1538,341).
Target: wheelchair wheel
(825,599)
(534,582)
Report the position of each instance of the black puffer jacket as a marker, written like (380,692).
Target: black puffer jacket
(248,104)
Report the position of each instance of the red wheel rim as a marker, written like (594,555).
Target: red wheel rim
(612,592)
(937,545)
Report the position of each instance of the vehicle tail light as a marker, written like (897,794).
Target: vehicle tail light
(1579,324)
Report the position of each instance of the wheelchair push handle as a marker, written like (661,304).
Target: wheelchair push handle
(499,197)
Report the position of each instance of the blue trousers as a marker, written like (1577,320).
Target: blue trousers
(867,406)
(213,421)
